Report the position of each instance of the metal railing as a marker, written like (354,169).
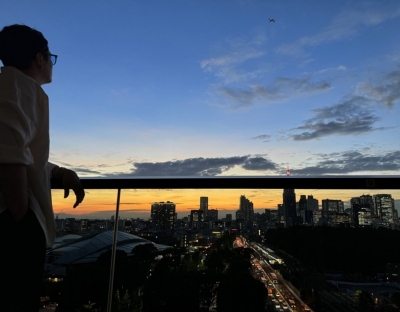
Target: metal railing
(235,182)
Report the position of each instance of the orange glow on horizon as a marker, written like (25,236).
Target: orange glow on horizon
(139,201)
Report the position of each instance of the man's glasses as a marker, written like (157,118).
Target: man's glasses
(53,58)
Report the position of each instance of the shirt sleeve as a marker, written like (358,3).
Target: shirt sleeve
(18,123)
(49,168)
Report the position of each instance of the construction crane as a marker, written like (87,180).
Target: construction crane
(57,214)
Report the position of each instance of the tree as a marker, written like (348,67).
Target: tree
(396,298)
(240,292)
(365,300)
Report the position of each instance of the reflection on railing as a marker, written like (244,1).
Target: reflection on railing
(326,182)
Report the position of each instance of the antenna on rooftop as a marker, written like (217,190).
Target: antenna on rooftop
(288,170)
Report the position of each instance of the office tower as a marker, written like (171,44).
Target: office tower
(246,208)
(239,215)
(69,224)
(303,203)
(289,207)
(83,226)
(281,213)
(60,224)
(212,215)
(204,205)
(303,210)
(228,217)
(384,206)
(163,215)
(312,204)
(367,202)
(121,224)
(267,214)
(196,219)
(330,206)
(355,204)
(364,217)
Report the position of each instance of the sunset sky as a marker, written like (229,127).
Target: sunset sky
(190,87)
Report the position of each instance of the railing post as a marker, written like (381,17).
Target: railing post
(113,252)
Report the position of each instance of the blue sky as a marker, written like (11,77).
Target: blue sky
(214,88)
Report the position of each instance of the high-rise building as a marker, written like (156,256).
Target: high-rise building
(239,215)
(303,204)
(163,215)
(289,207)
(204,205)
(84,225)
(228,217)
(196,218)
(355,203)
(69,225)
(384,206)
(304,211)
(281,213)
(364,203)
(246,208)
(212,215)
(332,206)
(367,202)
(312,203)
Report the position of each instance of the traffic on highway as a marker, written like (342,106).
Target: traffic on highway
(279,293)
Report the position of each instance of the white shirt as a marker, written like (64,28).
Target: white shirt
(25,139)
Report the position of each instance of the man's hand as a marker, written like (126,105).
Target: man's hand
(70,181)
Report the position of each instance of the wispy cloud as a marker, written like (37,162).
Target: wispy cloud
(280,90)
(355,113)
(227,66)
(352,161)
(386,92)
(348,117)
(346,25)
(199,166)
(263,137)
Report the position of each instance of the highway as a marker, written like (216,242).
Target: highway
(281,296)
(332,300)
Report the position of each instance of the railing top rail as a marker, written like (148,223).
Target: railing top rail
(243,182)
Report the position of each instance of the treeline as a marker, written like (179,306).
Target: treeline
(330,249)
(220,275)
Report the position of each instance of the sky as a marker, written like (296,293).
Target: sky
(212,88)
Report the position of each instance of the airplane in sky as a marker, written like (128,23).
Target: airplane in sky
(271,20)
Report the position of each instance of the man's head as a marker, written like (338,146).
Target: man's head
(26,49)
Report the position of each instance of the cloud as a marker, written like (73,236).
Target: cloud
(352,162)
(259,164)
(353,115)
(340,68)
(387,92)
(306,62)
(198,166)
(346,25)
(281,90)
(227,65)
(264,137)
(84,171)
(347,117)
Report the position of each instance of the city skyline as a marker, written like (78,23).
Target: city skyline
(214,89)
(137,203)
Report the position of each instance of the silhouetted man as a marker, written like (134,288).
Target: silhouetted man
(27,224)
